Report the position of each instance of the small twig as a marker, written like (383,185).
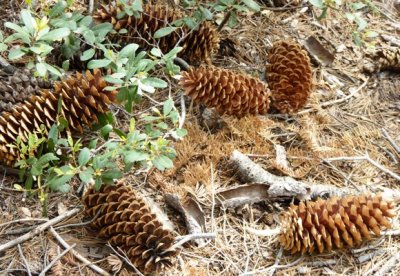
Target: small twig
(265,232)
(365,158)
(39,229)
(337,101)
(183,110)
(50,265)
(26,264)
(91,6)
(76,254)
(125,258)
(366,257)
(81,223)
(22,220)
(224,21)
(20,231)
(391,140)
(182,63)
(184,239)
(391,232)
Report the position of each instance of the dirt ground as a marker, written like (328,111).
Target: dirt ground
(347,116)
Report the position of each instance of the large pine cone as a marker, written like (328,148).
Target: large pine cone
(229,92)
(127,222)
(18,87)
(83,97)
(337,222)
(289,77)
(383,59)
(198,45)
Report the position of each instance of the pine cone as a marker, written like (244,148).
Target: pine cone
(18,87)
(127,222)
(83,97)
(337,222)
(289,77)
(229,92)
(383,59)
(198,45)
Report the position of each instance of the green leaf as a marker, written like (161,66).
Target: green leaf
(3,47)
(164,32)
(53,70)
(58,9)
(111,174)
(15,54)
(92,144)
(252,5)
(46,158)
(163,162)
(172,54)
(88,54)
(89,36)
(156,52)
(16,28)
(57,183)
(41,69)
(128,50)
(181,132)
(317,3)
(28,20)
(98,63)
(84,157)
(168,105)
(155,82)
(86,175)
(135,156)
(105,131)
(56,34)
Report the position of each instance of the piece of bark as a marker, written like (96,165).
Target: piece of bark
(318,52)
(243,194)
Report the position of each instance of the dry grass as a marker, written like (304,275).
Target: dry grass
(349,128)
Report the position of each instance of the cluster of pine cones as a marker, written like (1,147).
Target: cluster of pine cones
(122,216)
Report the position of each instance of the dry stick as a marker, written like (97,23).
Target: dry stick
(81,223)
(125,258)
(91,6)
(224,21)
(337,101)
(391,140)
(365,158)
(282,186)
(26,264)
(186,238)
(389,264)
(22,220)
(50,265)
(76,254)
(39,229)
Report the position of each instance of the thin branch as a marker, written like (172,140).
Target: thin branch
(26,264)
(38,230)
(81,223)
(183,110)
(184,239)
(53,262)
(365,158)
(125,258)
(391,140)
(337,101)
(224,21)
(182,63)
(91,6)
(77,255)
(22,220)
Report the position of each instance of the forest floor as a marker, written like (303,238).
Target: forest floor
(350,114)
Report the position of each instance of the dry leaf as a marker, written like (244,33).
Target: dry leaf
(191,212)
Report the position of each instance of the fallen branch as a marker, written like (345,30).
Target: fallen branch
(284,187)
(389,265)
(38,230)
(77,255)
(391,140)
(50,265)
